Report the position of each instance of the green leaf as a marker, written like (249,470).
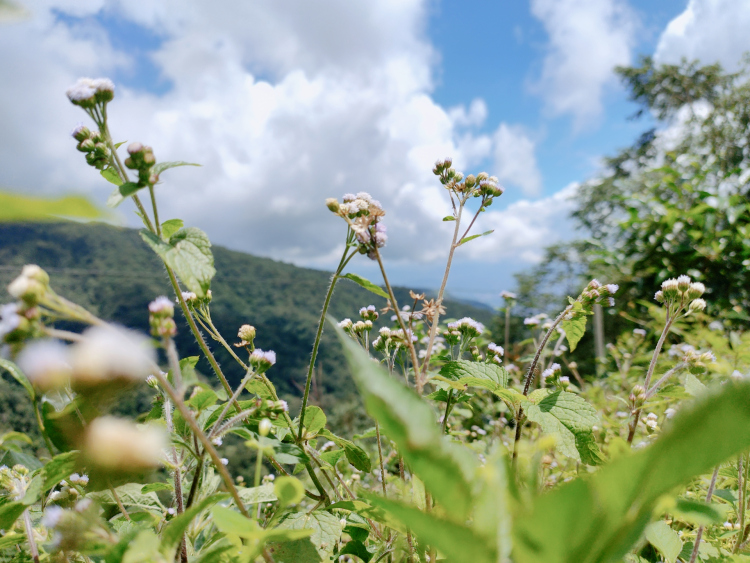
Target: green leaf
(187,368)
(155,487)
(118,145)
(17,207)
(254,495)
(289,490)
(570,419)
(472,237)
(315,420)
(449,218)
(693,386)
(600,518)
(357,548)
(9,513)
(160,167)
(132,497)
(700,513)
(110,174)
(173,532)
(575,327)
(19,376)
(11,540)
(129,188)
(456,541)
(460,369)
(332,457)
(188,253)
(170,227)
(11,458)
(446,469)
(203,400)
(367,284)
(58,468)
(144,549)
(665,539)
(326,532)
(355,455)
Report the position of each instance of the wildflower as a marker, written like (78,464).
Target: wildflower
(495,349)
(188,297)
(639,332)
(669,413)
(346,325)
(31,285)
(117,444)
(217,441)
(171,511)
(696,305)
(108,353)
(695,290)
(507,295)
(52,515)
(10,321)
(82,93)
(261,360)
(246,334)
(224,461)
(161,306)
(152,382)
(467,326)
(46,363)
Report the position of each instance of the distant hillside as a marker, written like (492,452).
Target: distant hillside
(111,271)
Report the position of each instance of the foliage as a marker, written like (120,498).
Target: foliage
(474,454)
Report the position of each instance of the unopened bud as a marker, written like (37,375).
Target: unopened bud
(87,145)
(695,290)
(135,148)
(246,333)
(659,296)
(264,427)
(697,305)
(333,204)
(683,283)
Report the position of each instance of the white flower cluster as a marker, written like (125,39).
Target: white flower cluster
(262,360)
(391,340)
(467,327)
(369,313)
(639,332)
(536,320)
(596,292)
(87,92)
(651,421)
(680,291)
(363,214)
(11,320)
(497,352)
(551,371)
(355,328)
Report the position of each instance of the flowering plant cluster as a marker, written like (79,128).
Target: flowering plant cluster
(478,451)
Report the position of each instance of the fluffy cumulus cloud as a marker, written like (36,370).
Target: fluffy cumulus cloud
(587,39)
(709,30)
(283,104)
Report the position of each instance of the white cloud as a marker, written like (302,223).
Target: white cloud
(587,39)
(709,30)
(282,105)
(515,159)
(525,228)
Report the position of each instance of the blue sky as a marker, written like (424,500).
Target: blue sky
(285,104)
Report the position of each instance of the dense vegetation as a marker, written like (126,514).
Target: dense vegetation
(473,454)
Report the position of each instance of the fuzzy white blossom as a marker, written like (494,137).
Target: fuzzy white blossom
(118,444)
(46,363)
(109,352)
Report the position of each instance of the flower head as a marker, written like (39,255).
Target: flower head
(117,444)
(261,360)
(46,363)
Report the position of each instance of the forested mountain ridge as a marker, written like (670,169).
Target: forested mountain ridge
(113,273)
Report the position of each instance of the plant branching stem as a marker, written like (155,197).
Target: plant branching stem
(699,535)
(415,362)
(319,333)
(118,501)
(30,536)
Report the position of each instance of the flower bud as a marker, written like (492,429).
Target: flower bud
(152,382)
(246,333)
(135,148)
(697,305)
(162,306)
(659,296)
(683,283)
(333,204)
(27,289)
(117,444)
(81,132)
(670,289)
(261,360)
(470,180)
(87,145)
(695,290)
(264,427)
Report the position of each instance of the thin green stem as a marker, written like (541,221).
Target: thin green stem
(741,485)
(30,536)
(258,466)
(447,411)
(507,329)
(156,211)
(699,535)
(319,333)
(42,429)
(415,362)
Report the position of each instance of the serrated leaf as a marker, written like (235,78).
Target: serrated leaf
(19,376)
(155,487)
(131,496)
(315,420)
(110,174)
(570,419)
(160,167)
(254,495)
(665,539)
(188,253)
(170,227)
(355,455)
(601,517)
(460,369)
(367,284)
(326,532)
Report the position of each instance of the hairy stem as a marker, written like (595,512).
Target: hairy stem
(318,334)
(407,339)
(30,536)
(118,501)
(699,535)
